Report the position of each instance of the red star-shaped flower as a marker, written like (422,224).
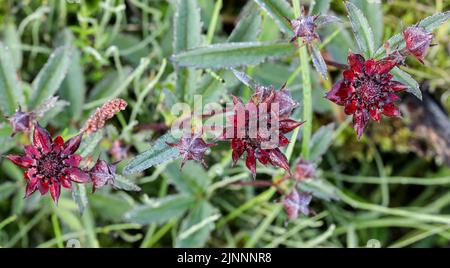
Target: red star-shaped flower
(250,124)
(50,164)
(367,90)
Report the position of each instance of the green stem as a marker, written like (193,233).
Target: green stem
(57,230)
(213,24)
(306,86)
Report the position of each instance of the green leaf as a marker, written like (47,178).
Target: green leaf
(318,61)
(73,88)
(319,188)
(278,10)
(405,78)
(10,87)
(187,26)
(6,190)
(90,143)
(79,195)
(231,55)
(11,39)
(125,184)
(161,210)
(186,35)
(319,6)
(191,179)
(159,153)
(321,141)
(51,76)
(248,27)
(110,206)
(361,29)
(373,11)
(196,228)
(429,23)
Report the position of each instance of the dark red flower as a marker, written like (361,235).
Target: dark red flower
(417,40)
(21,121)
(304,170)
(258,129)
(367,90)
(102,174)
(192,148)
(50,163)
(296,202)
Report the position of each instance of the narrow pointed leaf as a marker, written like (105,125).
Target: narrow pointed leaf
(248,27)
(318,61)
(11,93)
(361,29)
(278,10)
(405,78)
(51,76)
(231,55)
(159,153)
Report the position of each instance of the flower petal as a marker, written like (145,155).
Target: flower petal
(73,160)
(21,161)
(250,162)
(389,109)
(71,146)
(397,86)
(339,93)
(360,120)
(278,159)
(287,125)
(375,114)
(55,190)
(65,182)
(42,139)
(77,175)
(43,186)
(31,151)
(356,62)
(351,107)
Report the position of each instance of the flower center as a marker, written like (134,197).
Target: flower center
(50,165)
(368,90)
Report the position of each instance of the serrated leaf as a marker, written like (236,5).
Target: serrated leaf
(159,153)
(197,226)
(278,10)
(373,11)
(321,141)
(10,87)
(405,78)
(361,29)
(11,39)
(51,76)
(125,184)
(161,210)
(318,61)
(231,55)
(248,27)
(429,23)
